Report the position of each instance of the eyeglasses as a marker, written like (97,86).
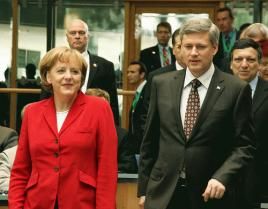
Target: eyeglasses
(80,33)
(248,59)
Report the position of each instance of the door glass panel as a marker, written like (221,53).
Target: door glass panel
(146,25)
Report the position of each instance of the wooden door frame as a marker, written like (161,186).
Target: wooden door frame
(132,45)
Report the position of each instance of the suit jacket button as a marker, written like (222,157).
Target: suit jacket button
(56,154)
(56,169)
(56,141)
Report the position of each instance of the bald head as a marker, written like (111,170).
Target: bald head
(77,35)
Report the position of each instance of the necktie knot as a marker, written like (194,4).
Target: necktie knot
(195,83)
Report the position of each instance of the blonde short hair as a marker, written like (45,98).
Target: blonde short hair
(254,30)
(62,54)
(99,93)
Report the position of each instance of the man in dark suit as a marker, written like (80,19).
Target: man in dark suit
(228,35)
(199,132)
(246,58)
(100,72)
(136,74)
(177,65)
(159,55)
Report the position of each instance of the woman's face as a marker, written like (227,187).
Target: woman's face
(65,78)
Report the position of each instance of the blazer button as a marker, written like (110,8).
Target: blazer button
(56,154)
(56,141)
(56,169)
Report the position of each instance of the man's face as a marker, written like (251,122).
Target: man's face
(198,52)
(177,51)
(133,74)
(77,36)
(244,63)
(264,68)
(224,21)
(163,35)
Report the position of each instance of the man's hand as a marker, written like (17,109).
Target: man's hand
(141,202)
(215,189)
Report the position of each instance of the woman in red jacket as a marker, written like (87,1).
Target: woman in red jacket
(67,152)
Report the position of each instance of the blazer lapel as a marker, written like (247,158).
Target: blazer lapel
(50,115)
(215,89)
(260,94)
(74,112)
(93,69)
(176,87)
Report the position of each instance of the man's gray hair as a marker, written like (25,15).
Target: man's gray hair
(197,25)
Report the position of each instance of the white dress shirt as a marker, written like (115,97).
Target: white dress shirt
(202,90)
(86,57)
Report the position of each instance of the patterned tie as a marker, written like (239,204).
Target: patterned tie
(135,100)
(165,56)
(192,109)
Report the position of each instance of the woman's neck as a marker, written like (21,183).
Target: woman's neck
(63,104)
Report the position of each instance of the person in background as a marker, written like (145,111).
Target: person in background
(246,58)
(159,55)
(198,136)
(136,74)
(100,72)
(126,161)
(177,65)
(242,28)
(67,152)
(228,35)
(256,31)
(263,69)
(8,147)
(30,82)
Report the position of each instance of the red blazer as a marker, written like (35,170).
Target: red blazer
(77,166)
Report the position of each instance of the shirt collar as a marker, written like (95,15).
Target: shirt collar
(140,87)
(253,84)
(178,66)
(204,79)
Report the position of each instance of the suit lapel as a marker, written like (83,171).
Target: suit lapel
(93,69)
(74,112)
(215,89)
(260,94)
(176,89)
(50,115)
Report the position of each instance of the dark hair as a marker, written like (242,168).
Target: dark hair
(228,9)
(142,69)
(174,35)
(247,43)
(165,25)
(30,70)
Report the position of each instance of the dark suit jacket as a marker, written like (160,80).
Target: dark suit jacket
(4,110)
(219,60)
(147,87)
(151,58)
(135,130)
(256,183)
(101,76)
(220,145)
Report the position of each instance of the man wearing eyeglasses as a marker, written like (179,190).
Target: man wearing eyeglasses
(246,57)
(100,73)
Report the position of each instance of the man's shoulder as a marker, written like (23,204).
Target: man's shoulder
(98,59)
(5,130)
(150,49)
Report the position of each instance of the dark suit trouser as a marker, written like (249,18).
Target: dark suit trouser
(180,199)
